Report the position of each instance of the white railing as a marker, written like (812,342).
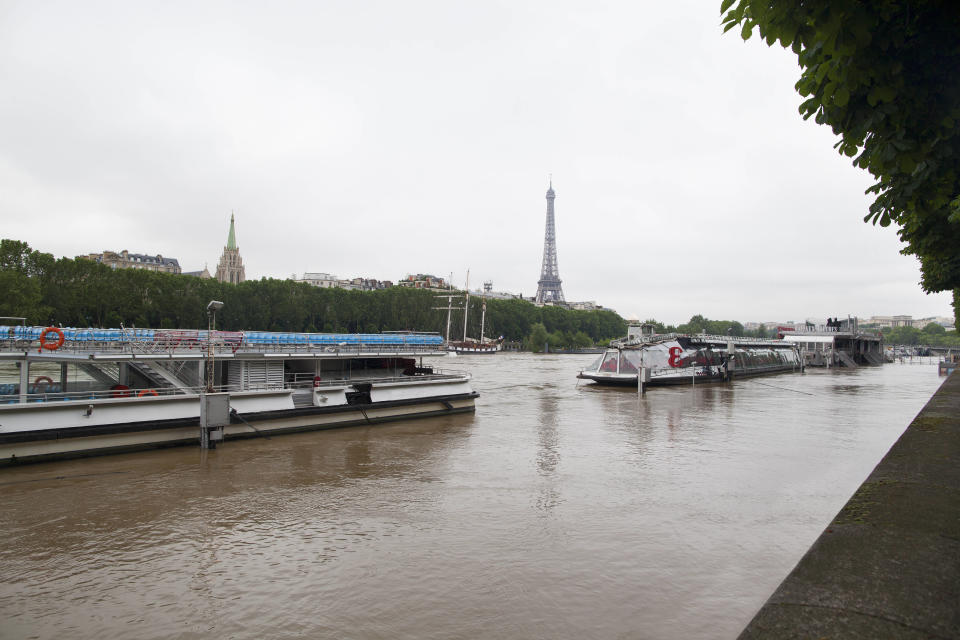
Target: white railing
(300,381)
(694,337)
(199,348)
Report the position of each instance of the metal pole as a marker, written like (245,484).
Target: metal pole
(24,379)
(641,372)
(693,370)
(210,324)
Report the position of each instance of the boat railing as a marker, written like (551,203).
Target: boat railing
(304,381)
(99,394)
(821,329)
(9,392)
(703,337)
(199,348)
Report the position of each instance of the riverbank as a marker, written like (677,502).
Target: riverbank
(888,566)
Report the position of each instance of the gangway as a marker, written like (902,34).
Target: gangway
(845,358)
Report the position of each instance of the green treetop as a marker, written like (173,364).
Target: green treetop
(883,75)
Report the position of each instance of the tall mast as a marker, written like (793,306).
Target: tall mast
(483,316)
(466,306)
(448,308)
(449,305)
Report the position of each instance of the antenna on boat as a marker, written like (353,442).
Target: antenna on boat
(212,307)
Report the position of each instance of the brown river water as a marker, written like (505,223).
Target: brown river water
(558,510)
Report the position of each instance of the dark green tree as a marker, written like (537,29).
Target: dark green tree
(883,75)
(700,324)
(82,292)
(538,338)
(934,329)
(902,335)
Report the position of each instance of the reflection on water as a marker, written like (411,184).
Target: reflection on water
(548,451)
(557,511)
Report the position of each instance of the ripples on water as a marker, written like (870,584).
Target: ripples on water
(557,511)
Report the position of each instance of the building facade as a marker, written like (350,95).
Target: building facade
(423,281)
(127,260)
(230,269)
(330,281)
(322,280)
(204,273)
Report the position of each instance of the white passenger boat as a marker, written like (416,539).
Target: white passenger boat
(671,359)
(71,392)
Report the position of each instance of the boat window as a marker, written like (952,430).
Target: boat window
(707,357)
(631,361)
(659,355)
(595,365)
(609,362)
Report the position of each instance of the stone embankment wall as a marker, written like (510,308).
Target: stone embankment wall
(888,566)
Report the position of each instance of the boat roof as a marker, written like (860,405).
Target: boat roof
(698,338)
(804,338)
(96,343)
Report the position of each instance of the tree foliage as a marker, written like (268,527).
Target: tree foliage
(700,324)
(931,335)
(83,293)
(883,75)
(538,340)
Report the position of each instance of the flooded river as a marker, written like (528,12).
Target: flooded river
(556,511)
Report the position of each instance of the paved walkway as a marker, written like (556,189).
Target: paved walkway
(888,566)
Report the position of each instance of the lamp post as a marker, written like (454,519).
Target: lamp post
(212,309)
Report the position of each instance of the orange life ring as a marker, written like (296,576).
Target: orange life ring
(147,392)
(44,379)
(120,391)
(52,346)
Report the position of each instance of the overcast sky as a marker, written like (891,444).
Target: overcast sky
(378,139)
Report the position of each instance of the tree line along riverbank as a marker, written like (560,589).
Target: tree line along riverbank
(82,292)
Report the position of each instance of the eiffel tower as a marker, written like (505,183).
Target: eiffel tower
(548,287)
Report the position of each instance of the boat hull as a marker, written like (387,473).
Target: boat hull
(39,445)
(630,380)
(680,359)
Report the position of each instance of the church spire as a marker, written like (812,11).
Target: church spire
(232,238)
(231,267)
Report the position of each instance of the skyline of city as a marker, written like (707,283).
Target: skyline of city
(688,181)
(324,279)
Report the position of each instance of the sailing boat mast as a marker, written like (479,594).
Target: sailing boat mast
(466,306)
(449,306)
(483,317)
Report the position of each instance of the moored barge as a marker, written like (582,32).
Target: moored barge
(76,392)
(672,359)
